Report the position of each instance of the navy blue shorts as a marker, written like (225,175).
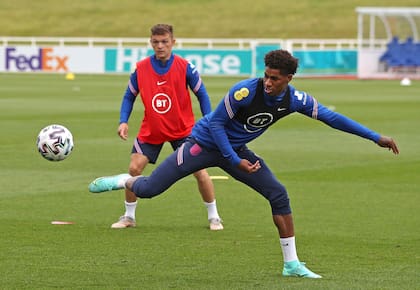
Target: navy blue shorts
(191,157)
(152,151)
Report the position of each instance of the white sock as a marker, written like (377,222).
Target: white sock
(130,209)
(122,180)
(288,247)
(212,210)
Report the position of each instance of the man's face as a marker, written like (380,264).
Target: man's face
(275,82)
(162,46)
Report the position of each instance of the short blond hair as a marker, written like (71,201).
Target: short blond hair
(161,29)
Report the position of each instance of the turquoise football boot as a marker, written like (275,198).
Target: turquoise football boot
(108,183)
(298,269)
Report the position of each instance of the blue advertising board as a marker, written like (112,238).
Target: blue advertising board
(209,61)
(233,62)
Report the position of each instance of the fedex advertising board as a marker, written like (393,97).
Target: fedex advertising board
(51,59)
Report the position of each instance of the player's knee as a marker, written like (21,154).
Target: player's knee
(201,175)
(130,182)
(279,201)
(137,164)
(142,188)
(134,170)
(280,206)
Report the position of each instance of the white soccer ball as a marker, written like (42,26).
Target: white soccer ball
(55,142)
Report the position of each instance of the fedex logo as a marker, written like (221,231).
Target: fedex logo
(42,60)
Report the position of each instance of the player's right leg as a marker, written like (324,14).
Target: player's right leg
(107,183)
(137,164)
(206,188)
(176,166)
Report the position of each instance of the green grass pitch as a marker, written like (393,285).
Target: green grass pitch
(356,206)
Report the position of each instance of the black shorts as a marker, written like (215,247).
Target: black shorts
(152,151)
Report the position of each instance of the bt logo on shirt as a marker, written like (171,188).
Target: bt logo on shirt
(43,60)
(161,103)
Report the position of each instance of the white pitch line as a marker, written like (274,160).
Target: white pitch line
(221,177)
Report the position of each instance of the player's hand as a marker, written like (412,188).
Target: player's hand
(247,166)
(389,143)
(123,131)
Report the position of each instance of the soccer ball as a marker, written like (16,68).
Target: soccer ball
(55,142)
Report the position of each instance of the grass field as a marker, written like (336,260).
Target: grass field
(356,206)
(191,18)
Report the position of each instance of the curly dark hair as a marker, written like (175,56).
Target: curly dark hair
(281,60)
(161,29)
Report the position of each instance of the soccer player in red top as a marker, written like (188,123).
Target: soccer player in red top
(163,81)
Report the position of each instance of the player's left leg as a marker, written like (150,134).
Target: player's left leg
(265,183)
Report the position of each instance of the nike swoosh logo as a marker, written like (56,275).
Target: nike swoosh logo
(281,109)
(161,83)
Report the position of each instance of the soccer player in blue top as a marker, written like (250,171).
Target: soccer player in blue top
(219,140)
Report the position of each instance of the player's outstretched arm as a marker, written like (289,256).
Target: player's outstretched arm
(388,142)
